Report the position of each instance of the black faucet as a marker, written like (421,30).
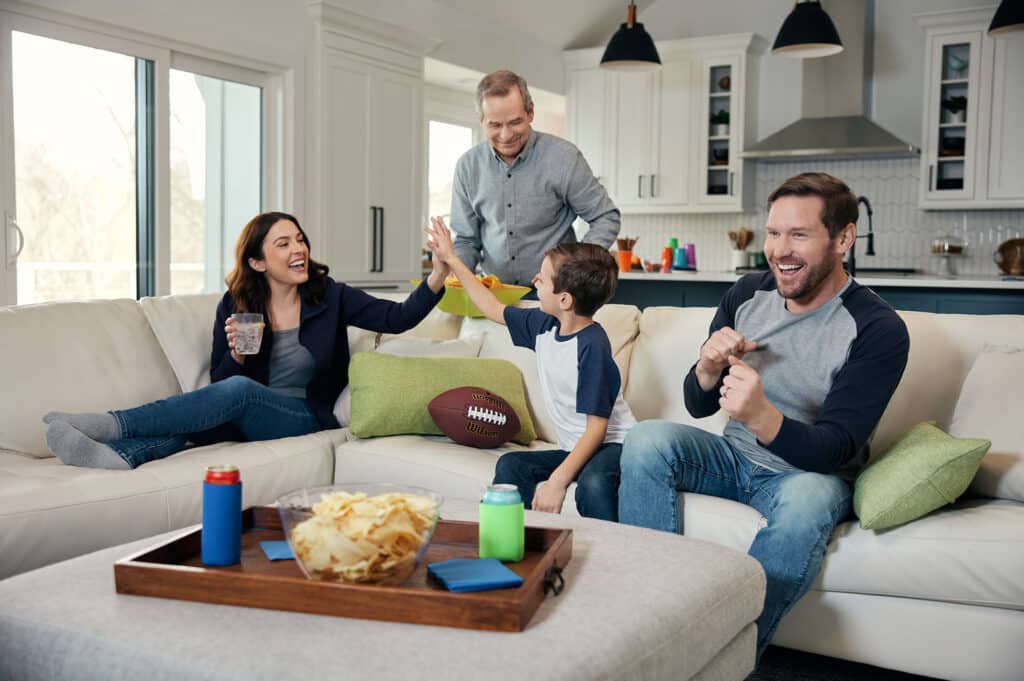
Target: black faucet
(851,264)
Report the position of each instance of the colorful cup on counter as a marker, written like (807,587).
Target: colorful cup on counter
(759,260)
(625,259)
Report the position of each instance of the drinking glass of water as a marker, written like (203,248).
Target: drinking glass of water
(248,332)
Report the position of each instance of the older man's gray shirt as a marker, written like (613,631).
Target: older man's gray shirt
(506,216)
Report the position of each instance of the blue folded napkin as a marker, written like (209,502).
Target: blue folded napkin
(277,550)
(473,574)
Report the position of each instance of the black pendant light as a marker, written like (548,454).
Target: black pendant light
(807,32)
(631,48)
(1009,17)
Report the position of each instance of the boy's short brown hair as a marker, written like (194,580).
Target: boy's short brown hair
(587,272)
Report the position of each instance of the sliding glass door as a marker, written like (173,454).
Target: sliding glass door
(125,169)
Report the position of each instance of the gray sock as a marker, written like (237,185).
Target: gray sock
(100,427)
(75,449)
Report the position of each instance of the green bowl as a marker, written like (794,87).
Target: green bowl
(456,300)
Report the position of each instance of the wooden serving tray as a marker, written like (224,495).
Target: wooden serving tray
(174,570)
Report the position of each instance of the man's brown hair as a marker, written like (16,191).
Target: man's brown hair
(499,84)
(587,272)
(840,203)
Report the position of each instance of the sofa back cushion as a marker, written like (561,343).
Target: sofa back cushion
(183,326)
(75,356)
(943,348)
(666,347)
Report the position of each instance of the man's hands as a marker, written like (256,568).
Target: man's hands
(715,354)
(742,398)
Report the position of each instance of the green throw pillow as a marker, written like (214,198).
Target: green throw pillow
(924,470)
(390,393)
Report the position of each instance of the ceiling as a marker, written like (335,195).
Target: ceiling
(562,24)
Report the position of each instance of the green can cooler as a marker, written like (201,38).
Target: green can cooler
(502,524)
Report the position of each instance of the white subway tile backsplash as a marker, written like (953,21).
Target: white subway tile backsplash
(903,232)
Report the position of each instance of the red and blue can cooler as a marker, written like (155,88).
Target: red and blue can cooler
(222,516)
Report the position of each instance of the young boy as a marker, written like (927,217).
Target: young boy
(581,383)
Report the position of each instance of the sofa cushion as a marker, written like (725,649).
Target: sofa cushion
(75,356)
(943,348)
(925,470)
(183,326)
(50,512)
(991,395)
(390,393)
(411,346)
(971,552)
(667,345)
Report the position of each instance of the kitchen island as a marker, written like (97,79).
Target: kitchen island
(966,294)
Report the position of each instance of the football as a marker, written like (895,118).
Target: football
(475,417)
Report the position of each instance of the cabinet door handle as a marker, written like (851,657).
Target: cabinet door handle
(652,186)
(640,186)
(373,238)
(731,175)
(380,241)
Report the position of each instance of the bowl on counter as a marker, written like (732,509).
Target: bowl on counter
(1009,257)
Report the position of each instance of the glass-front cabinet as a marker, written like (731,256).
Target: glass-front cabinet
(719,149)
(951,135)
(973,141)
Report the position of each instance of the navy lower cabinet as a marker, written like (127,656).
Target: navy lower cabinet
(649,293)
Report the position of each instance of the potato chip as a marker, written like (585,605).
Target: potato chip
(357,538)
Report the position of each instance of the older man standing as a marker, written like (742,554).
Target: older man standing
(804,360)
(517,194)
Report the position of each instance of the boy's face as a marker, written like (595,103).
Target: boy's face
(544,282)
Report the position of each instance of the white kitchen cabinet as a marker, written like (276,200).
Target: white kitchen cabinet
(651,134)
(973,143)
(366,168)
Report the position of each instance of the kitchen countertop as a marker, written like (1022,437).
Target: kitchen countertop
(922,280)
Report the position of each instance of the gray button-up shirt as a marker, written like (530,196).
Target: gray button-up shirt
(506,216)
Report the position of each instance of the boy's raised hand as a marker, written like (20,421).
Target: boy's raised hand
(439,240)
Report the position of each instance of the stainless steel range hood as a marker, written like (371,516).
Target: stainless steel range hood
(834,137)
(835,95)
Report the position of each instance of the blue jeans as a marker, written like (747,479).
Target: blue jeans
(237,408)
(597,483)
(660,459)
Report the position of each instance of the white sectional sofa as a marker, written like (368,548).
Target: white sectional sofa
(941,596)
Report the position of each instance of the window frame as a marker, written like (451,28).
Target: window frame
(277,84)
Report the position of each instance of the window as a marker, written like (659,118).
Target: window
(448,142)
(134,167)
(74,166)
(215,176)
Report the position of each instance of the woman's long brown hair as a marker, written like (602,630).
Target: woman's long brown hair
(248,288)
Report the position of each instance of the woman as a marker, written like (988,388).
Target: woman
(287,389)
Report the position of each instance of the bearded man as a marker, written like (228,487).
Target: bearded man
(804,360)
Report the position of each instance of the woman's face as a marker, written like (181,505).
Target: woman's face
(285,255)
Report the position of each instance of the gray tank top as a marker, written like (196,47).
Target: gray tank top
(291,365)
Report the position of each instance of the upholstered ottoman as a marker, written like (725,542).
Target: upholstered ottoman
(637,604)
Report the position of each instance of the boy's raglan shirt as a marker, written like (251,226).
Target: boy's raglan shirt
(577,374)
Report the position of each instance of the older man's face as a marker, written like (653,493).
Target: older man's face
(506,123)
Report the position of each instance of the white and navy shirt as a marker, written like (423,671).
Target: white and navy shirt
(578,376)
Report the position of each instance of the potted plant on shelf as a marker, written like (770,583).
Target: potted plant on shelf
(720,123)
(957,108)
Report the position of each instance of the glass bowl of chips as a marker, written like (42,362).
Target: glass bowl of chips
(360,533)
